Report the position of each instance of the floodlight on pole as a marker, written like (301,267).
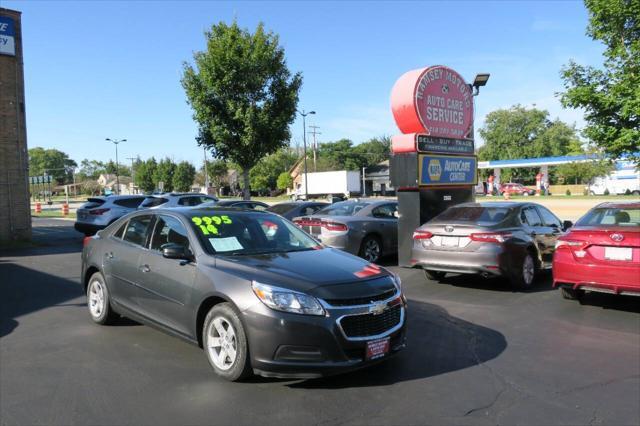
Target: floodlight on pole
(116,142)
(480,80)
(304,139)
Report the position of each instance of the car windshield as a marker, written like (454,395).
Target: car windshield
(281,208)
(153,201)
(606,216)
(244,233)
(475,214)
(343,208)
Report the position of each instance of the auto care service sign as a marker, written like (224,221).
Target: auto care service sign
(435,101)
(447,170)
(7,36)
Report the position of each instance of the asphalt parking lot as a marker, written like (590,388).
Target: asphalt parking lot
(477,353)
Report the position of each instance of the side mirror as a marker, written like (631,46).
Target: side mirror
(176,251)
(567,224)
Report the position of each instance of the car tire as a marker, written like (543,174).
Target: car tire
(371,248)
(434,275)
(571,293)
(526,274)
(99,301)
(225,343)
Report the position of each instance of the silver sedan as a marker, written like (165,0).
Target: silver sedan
(364,227)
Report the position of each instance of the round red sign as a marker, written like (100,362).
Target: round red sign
(434,100)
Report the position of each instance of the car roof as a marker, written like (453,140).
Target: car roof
(618,204)
(194,211)
(178,194)
(499,204)
(120,197)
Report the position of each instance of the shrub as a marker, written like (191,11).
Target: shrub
(606,191)
(627,192)
(585,191)
(568,192)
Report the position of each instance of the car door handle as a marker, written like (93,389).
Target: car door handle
(145,268)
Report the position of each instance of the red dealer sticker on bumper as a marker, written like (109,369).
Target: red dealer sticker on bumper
(378,348)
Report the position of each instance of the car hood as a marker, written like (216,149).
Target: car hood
(326,273)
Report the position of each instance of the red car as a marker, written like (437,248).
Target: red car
(516,189)
(601,252)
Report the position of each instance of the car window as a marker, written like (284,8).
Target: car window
(153,201)
(309,210)
(622,216)
(189,201)
(258,207)
(118,234)
(475,214)
(169,230)
(282,208)
(530,217)
(343,208)
(245,233)
(130,203)
(549,218)
(385,211)
(137,230)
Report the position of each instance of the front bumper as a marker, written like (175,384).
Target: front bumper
(301,346)
(488,260)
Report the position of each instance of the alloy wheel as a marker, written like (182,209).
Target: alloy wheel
(221,343)
(372,250)
(96,299)
(528,270)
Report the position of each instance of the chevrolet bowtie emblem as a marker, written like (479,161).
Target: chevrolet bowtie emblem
(377,308)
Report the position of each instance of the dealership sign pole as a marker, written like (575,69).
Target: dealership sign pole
(433,163)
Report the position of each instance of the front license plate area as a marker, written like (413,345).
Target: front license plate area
(378,348)
(618,253)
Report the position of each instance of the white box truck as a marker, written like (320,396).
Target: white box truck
(343,183)
(625,177)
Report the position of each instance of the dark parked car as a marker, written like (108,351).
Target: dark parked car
(98,212)
(515,240)
(242,204)
(365,227)
(253,290)
(290,210)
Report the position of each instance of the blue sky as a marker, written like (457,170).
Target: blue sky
(112,69)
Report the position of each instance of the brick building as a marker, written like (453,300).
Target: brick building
(15,212)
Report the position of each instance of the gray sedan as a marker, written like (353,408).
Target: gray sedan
(366,227)
(253,290)
(515,240)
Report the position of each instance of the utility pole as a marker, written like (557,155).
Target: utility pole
(133,173)
(315,145)
(304,141)
(206,173)
(116,142)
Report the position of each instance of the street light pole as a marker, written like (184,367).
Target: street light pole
(304,140)
(116,142)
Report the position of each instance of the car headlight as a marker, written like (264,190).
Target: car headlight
(281,299)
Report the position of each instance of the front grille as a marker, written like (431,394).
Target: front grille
(361,300)
(371,325)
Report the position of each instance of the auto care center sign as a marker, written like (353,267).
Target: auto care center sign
(433,108)
(7,36)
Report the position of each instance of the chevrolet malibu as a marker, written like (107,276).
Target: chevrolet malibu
(254,291)
(601,253)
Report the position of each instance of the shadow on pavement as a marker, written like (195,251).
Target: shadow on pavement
(611,301)
(543,282)
(437,343)
(24,290)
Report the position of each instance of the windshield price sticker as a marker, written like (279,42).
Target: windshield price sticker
(209,224)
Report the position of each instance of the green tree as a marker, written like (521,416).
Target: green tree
(519,132)
(340,155)
(145,174)
(582,172)
(90,169)
(164,173)
(610,97)
(183,176)
(123,170)
(217,170)
(264,175)
(52,162)
(374,150)
(284,181)
(243,95)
